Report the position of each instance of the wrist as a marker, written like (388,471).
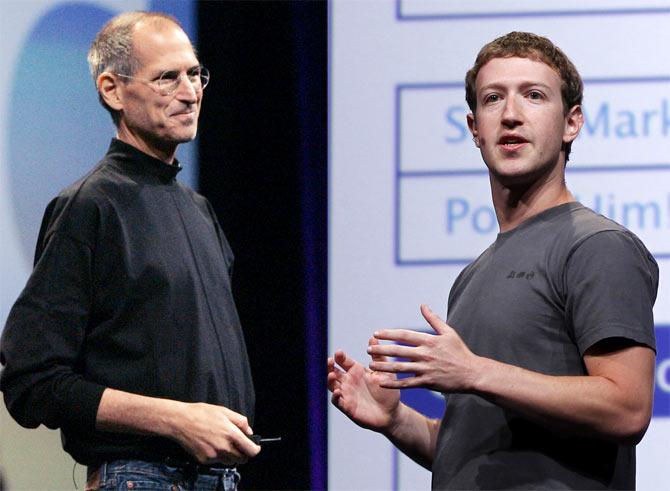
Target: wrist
(481,370)
(396,421)
(172,419)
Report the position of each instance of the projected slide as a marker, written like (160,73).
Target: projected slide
(410,202)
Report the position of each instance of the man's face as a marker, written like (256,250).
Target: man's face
(519,124)
(153,122)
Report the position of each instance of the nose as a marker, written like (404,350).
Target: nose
(512,114)
(186,91)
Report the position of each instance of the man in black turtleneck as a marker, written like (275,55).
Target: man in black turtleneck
(126,336)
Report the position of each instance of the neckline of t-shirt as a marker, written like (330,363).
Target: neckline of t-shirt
(547,214)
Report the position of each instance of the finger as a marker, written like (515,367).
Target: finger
(403,383)
(404,336)
(333,380)
(433,319)
(395,367)
(245,445)
(338,400)
(375,356)
(381,352)
(344,361)
(336,374)
(240,446)
(332,367)
(238,420)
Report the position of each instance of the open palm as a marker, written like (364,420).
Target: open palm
(357,392)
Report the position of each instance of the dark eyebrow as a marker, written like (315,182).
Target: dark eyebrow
(523,85)
(540,85)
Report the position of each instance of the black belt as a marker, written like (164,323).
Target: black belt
(191,467)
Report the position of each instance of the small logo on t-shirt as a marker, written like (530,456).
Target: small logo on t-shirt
(521,274)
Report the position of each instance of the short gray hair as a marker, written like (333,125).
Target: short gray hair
(112,48)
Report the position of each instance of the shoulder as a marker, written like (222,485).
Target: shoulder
(578,229)
(570,224)
(603,239)
(617,252)
(583,223)
(77,209)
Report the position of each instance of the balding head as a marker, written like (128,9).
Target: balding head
(112,48)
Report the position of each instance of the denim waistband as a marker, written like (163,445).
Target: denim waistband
(173,470)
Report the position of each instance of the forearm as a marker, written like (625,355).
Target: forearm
(611,401)
(593,404)
(132,413)
(210,433)
(414,434)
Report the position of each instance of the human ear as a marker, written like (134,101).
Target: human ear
(110,91)
(472,124)
(574,120)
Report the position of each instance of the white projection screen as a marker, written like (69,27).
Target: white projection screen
(409,200)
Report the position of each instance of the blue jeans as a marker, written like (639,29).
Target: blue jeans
(138,474)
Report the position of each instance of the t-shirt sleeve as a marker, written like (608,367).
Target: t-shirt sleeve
(44,336)
(611,282)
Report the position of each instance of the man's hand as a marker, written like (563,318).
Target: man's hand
(612,401)
(215,434)
(211,434)
(358,391)
(440,362)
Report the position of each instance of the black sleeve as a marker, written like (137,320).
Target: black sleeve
(43,338)
(228,255)
(611,283)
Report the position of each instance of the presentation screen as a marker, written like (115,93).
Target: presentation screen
(409,197)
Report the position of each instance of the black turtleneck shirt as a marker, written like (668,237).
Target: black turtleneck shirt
(131,290)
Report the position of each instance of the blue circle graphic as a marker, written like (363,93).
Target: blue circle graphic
(57,129)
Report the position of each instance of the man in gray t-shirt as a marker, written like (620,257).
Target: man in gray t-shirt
(547,360)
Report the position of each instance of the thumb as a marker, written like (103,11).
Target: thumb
(438,325)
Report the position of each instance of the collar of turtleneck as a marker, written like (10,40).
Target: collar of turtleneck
(139,162)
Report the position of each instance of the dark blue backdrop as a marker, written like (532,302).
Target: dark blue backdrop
(263,165)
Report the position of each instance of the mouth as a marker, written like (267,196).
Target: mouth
(512,143)
(184,116)
(188,112)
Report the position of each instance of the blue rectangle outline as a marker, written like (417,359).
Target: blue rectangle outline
(652,166)
(464,261)
(654,79)
(520,14)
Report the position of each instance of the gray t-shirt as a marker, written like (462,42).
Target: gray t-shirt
(538,298)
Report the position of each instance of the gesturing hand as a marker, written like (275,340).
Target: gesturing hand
(358,391)
(439,362)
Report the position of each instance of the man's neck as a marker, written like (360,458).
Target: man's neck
(167,154)
(515,205)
